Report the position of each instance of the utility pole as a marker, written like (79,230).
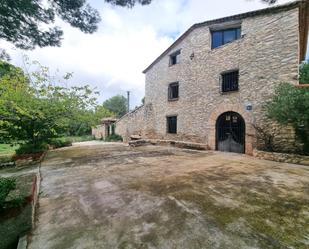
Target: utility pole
(128,99)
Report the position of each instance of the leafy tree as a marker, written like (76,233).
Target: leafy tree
(33,111)
(290,105)
(22,21)
(304,73)
(143,100)
(83,120)
(102,112)
(270,1)
(4,55)
(117,105)
(7,69)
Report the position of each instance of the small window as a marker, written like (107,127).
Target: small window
(172,124)
(173,91)
(230,81)
(222,37)
(174,58)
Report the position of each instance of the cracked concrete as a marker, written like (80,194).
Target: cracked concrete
(98,195)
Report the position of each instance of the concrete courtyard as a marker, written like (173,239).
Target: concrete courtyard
(100,195)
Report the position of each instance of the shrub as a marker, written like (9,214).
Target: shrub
(113,138)
(6,185)
(290,106)
(60,142)
(31,148)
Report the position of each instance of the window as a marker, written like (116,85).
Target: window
(173,91)
(230,81)
(172,124)
(222,37)
(174,58)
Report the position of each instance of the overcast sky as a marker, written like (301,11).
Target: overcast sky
(128,40)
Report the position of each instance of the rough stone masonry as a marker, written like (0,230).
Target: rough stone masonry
(271,45)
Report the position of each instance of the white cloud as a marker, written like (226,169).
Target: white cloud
(127,41)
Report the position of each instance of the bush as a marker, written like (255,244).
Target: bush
(60,142)
(31,148)
(113,138)
(290,106)
(6,185)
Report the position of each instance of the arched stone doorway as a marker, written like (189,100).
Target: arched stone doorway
(230,132)
(247,117)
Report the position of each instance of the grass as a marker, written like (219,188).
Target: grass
(16,221)
(7,149)
(6,152)
(76,139)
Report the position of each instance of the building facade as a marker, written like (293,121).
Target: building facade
(211,84)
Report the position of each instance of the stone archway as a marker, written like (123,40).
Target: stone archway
(248,119)
(230,132)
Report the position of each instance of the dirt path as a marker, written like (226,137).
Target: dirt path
(114,196)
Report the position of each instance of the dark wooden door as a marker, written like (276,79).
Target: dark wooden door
(230,133)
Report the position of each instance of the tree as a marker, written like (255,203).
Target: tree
(117,105)
(102,112)
(83,120)
(22,21)
(290,106)
(33,110)
(304,73)
(270,1)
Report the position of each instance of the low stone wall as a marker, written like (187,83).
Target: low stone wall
(98,132)
(281,157)
(131,124)
(32,199)
(179,144)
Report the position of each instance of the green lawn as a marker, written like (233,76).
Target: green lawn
(80,138)
(7,149)
(16,221)
(6,152)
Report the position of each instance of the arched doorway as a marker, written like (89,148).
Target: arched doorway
(230,132)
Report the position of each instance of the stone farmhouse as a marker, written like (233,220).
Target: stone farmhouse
(211,84)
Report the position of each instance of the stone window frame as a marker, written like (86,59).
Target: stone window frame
(167,124)
(169,91)
(221,81)
(174,58)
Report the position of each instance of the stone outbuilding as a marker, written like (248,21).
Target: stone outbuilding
(105,129)
(211,84)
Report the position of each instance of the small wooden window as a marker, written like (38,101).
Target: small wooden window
(174,58)
(229,81)
(173,91)
(171,124)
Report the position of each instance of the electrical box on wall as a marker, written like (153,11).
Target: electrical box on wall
(249,107)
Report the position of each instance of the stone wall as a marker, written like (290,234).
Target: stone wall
(98,131)
(282,157)
(132,123)
(267,54)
